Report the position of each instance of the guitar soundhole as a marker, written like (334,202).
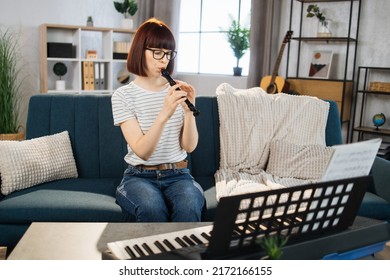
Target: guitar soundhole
(272,88)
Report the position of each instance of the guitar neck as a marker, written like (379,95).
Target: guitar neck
(276,68)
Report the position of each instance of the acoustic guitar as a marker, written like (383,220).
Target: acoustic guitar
(276,84)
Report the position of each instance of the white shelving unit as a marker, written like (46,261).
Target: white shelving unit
(82,38)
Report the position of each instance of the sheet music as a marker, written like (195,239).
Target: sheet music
(352,160)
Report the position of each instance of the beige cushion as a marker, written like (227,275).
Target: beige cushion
(290,160)
(27,163)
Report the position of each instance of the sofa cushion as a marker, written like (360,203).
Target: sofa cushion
(375,207)
(24,164)
(98,146)
(68,200)
(290,160)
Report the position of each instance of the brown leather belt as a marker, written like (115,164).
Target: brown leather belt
(165,166)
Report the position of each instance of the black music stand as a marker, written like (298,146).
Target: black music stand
(299,213)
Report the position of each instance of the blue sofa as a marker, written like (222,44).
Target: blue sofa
(99,148)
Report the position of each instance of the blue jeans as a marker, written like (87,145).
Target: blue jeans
(160,196)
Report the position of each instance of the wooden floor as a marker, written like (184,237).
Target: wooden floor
(3,252)
(385,254)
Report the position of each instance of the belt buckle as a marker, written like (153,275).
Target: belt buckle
(169,166)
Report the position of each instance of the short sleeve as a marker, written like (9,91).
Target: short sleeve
(122,109)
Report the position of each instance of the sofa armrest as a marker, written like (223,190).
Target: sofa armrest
(381,174)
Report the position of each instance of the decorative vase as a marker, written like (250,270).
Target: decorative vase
(89,21)
(324,28)
(237,71)
(127,23)
(60,85)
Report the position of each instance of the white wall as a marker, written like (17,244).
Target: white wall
(207,84)
(26,16)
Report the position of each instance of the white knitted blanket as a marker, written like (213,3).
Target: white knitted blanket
(249,120)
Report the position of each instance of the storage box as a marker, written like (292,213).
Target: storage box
(379,86)
(119,55)
(64,50)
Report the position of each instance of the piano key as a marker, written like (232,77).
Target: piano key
(169,244)
(139,250)
(155,244)
(196,239)
(160,246)
(153,247)
(148,249)
(188,240)
(204,239)
(181,242)
(206,236)
(130,252)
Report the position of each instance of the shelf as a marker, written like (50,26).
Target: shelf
(339,91)
(317,1)
(87,28)
(344,47)
(319,80)
(373,130)
(81,39)
(326,39)
(366,75)
(374,92)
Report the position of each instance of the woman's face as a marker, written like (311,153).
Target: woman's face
(156,60)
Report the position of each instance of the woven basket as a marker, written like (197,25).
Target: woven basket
(19,136)
(12,136)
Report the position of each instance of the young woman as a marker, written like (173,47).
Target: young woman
(159,129)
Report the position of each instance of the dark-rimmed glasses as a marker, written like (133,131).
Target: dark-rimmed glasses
(159,54)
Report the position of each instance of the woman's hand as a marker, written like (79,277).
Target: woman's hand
(190,94)
(176,97)
(172,100)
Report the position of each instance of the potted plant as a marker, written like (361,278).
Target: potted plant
(273,246)
(323,29)
(238,38)
(60,70)
(10,87)
(128,8)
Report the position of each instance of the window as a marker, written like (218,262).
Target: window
(202,44)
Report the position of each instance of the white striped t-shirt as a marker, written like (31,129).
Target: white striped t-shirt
(131,101)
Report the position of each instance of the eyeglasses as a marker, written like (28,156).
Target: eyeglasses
(159,54)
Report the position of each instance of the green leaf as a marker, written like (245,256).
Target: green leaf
(238,39)
(10,82)
(128,6)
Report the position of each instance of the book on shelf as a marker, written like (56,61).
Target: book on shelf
(91,54)
(91,73)
(88,75)
(96,66)
(102,76)
(121,50)
(98,80)
(85,75)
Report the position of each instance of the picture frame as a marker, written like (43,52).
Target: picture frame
(320,64)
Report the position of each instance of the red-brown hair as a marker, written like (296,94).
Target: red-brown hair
(153,33)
